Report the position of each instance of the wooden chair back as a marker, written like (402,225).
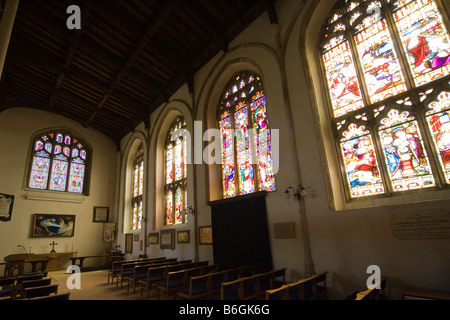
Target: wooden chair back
(40,291)
(56,296)
(281,293)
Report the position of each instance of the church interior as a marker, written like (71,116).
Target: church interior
(302,141)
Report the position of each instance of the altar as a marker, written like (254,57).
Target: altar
(56,260)
(17,264)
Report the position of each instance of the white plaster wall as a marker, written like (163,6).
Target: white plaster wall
(17,127)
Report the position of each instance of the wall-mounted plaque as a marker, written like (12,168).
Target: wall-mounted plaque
(421,225)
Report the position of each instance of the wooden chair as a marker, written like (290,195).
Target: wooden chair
(197,289)
(376,293)
(115,269)
(174,281)
(278,278)
(56,296)
(246,271)
(280,293)
(265,283)
(8,287)
(299,290)
(126,270)
(139,273)
(209,269)
(319,288)
(32,284)
(232,274)
(154,276)
(40,291)
(215,282)
(230,290)
(250,287)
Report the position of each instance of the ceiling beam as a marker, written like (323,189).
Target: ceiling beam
(151,30)
(75,41)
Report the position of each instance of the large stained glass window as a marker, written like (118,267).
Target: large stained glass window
(175,190)
(247,163)
(138,189)
(387,69)
(58,163)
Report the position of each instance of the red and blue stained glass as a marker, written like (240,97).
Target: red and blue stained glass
(51,163)
(424,38)
(439,123)
(243,151)
(247,162)
(382,73)
(263,144)
(175,176)
(39,172)
(361,164)
(404,152)
(228,168)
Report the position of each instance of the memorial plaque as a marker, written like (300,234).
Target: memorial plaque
(423,225)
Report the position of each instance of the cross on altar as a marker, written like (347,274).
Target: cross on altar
(53,246)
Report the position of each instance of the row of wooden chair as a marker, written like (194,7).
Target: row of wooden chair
(232,284)
(118,266)
(311,288)
(28,287)
(148,276)
(11,287)
(139,273)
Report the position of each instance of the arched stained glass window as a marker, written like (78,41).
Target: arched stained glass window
(175,189)
(59,162)
(247,163)
(387,70)
(138,189)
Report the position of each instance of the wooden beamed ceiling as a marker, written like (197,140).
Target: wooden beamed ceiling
(127,59)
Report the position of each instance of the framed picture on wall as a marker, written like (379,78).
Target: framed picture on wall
(183,236)
(53,225)
(101,214)
(205,235)
(167,239)
(153,238)
(129,243)
(6,206)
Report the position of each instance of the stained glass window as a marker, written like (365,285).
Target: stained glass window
(382,60)
(247,162)
(58,163)
(138,188)
(175,189)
